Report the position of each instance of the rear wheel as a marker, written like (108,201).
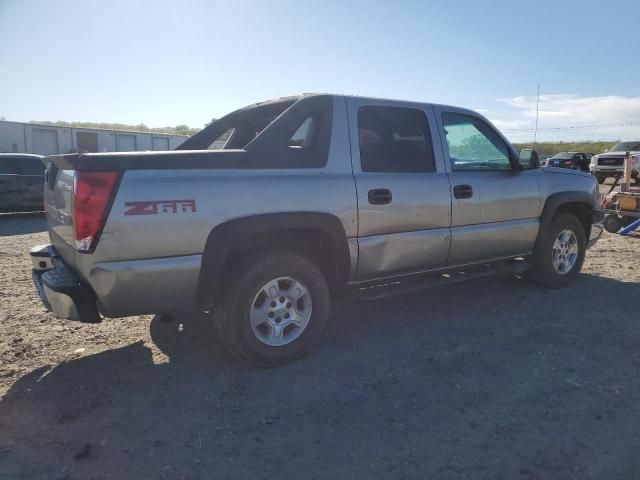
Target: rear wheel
(601,179)
(275,308)
(560,255)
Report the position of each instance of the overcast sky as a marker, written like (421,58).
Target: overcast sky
(163,62)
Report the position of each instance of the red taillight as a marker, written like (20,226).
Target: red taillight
(92,193)
(567,162)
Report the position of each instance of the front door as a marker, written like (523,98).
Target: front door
(404,200)
(496,206)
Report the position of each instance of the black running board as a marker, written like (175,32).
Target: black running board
(404,285)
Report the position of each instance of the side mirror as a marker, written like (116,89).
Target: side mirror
(528,159)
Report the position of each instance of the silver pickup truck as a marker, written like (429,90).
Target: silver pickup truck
(271,210)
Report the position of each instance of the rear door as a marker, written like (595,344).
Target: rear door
(404,200)
(31,172)
(496,208)
(9,184)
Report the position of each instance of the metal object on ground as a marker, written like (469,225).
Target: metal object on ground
(630,228)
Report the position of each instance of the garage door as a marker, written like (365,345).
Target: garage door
(45,141)
(126,143)
(87,141)
(160,143)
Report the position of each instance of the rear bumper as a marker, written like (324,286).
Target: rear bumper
(59,288)
(597,227)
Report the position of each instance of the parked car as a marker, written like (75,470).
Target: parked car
(310,197)
(611,163)
(573,160)
(21,182)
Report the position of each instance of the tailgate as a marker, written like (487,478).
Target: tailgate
(58,200)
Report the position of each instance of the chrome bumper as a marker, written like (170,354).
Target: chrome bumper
(606,168)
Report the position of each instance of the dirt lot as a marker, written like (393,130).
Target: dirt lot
(492,379)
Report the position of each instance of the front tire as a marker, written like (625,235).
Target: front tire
(275,308)
(560,255)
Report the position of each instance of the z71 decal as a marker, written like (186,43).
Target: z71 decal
(153,207)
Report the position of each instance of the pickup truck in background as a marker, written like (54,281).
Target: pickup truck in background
(309,197)
(21,182)
(611,163)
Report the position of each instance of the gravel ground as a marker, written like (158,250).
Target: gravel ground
(489,379)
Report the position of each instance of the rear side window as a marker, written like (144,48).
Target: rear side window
(303,136)
(220,142)
(30,166)
(394,139)
(7,166)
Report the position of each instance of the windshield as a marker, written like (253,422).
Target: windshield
(626,147)
(562,155)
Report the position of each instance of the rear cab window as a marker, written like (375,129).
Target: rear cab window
(394,139)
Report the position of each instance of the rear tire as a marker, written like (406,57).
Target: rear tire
(560,255)
(601,180)
(275,308)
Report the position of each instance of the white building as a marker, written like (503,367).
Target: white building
(18,137)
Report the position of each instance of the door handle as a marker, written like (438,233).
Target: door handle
(380,196)
(462,191)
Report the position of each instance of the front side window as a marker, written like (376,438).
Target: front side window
(394,139)
(473,145)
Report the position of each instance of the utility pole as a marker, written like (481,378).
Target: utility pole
(535,132)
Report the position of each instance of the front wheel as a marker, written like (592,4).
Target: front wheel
(275,308)
(559,257)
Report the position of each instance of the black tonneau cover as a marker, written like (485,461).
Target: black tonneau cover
(174,159)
